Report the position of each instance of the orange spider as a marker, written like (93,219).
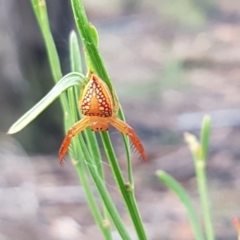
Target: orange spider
(99,109)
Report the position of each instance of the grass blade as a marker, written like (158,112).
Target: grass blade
(66,82)
(172,184)
(40,10)
(205,135)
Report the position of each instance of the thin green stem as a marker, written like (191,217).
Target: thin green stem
(205,135)
(76,66)
(199,152)
(127,190)
(94,59)
(75,57)
(98,67)
(102,223)
(128,153)
(40,10)
(89,43)
(92,52)
(103,191)
(200,166)
(172,184)
(82,174)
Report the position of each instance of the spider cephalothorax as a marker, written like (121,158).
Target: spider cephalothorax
(99,109)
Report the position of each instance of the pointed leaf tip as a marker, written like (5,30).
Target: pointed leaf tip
(66,82)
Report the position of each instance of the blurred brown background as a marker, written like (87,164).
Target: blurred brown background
(170,62)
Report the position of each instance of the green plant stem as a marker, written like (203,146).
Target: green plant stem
(127,190)
(200,159)
(200,166)
(103,191)
(76,66)
(128,153)
(98,67)
(105,228)
(40,10)
(199,152)
(205,135)
(88,42)
(92,52)
(172,184)
(82,174)
(96,62)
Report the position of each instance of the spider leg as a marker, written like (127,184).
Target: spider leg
(126,129)
(74,130)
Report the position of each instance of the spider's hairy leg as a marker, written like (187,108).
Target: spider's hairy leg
(126,129)
(74,130)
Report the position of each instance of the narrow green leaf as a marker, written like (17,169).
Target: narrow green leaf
(205,135)
(94,34)
(66,82)
(75,54)
(103,191)
(171,183)
(40,10)
(96,64)
(199,152)
(128,198)
(90,48)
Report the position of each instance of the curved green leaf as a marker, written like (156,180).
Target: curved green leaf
(173,184)
(66,82)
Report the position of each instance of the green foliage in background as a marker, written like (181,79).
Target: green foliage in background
(199,150)
(189,14)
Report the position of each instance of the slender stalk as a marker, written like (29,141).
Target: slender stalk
(76,66)
(98,67)
(103,191)
(127,190)
(202,186)
(102,223)
(200,169)
(88,42)
(82,174)
(40,10)
(172,184)
(200,165)
(128,153)
(205,135)
(96,63)
(41,13)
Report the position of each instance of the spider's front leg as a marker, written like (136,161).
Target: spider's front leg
(126,129)
(73,131)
